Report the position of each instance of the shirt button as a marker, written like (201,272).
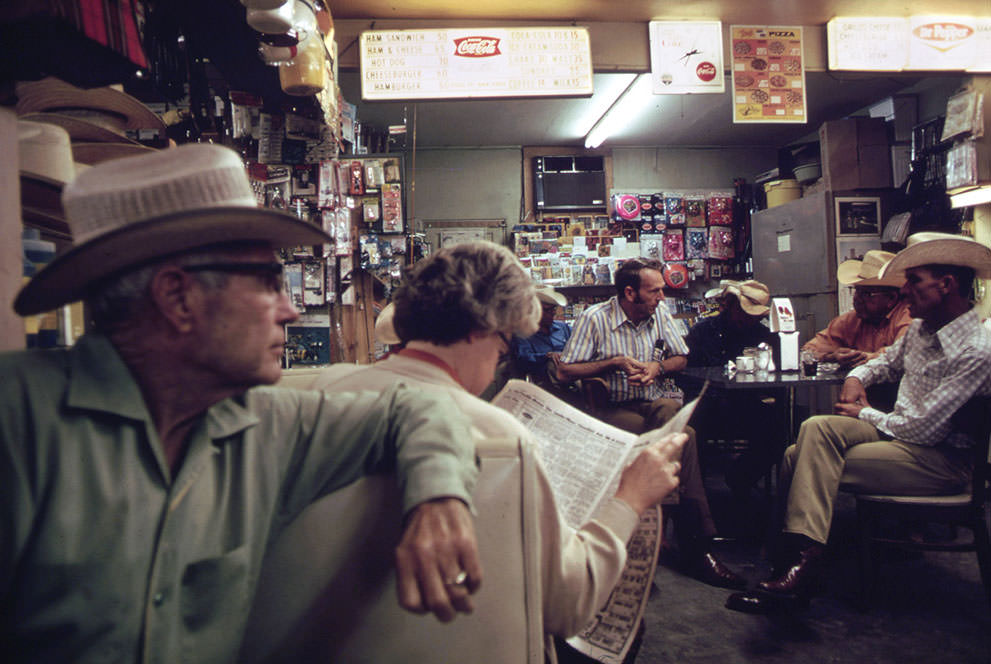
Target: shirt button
(158,599)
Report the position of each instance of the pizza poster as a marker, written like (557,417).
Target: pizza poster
(768,74)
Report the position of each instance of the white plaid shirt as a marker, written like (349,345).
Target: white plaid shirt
(936,374)
(603,331)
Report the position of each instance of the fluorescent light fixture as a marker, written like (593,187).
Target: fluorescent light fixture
(624,109)
(980,195)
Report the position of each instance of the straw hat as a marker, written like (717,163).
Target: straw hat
(45,153)
(550,296)
(130,211)
(865,272)
(56,96)
(97,153)
(931,248)
(754,296)
(385,331)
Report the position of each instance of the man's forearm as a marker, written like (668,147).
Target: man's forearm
(576,370)
(674,364)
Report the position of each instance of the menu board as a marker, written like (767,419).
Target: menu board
(867,43)
(768,74)
(475,62)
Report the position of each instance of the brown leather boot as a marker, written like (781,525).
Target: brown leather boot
(799,579)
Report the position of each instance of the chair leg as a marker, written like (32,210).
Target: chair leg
(983,545)
(865,557)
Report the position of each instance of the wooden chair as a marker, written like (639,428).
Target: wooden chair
(966,509)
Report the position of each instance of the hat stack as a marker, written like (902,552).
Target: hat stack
(45,156)
(96,119)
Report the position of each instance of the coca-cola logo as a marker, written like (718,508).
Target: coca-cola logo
(943,36)
(706,71)
(476,47)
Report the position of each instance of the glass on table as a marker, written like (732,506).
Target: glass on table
(810,363)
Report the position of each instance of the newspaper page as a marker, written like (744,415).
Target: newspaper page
(584,458)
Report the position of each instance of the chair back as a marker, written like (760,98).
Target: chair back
(327,588)
(974,419)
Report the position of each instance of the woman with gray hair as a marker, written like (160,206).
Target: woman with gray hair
(455,313)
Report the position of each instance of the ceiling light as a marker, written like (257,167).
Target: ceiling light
(633,99)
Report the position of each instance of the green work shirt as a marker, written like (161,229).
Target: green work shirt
(106,557)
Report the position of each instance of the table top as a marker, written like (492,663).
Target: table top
(718,377)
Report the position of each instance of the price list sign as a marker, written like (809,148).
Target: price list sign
(768,74)
(475,62)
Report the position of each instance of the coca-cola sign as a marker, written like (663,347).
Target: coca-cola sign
(706,71)
(476,47)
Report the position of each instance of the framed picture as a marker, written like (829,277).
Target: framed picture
(858,215)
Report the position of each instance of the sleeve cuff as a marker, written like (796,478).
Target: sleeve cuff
(618,517)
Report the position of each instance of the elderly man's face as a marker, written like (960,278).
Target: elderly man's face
(873,303)
(923,291)
(242,340)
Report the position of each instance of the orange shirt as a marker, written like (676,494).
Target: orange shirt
(850,331)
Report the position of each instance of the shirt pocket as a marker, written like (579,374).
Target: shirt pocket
(924,376)
(214,593)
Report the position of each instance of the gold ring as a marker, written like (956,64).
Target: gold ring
(458,580)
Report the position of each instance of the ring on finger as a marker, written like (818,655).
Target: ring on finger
(458,580)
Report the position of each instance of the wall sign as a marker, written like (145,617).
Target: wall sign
(952,43)
(686,57)
(768,74)
(475,62)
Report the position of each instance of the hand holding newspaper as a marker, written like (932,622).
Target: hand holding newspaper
(584,458)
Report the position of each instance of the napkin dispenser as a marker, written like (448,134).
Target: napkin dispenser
(783,323)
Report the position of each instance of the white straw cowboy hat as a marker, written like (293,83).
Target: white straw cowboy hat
(754,297)
(865,272)
(385,331)
(126,212)
(549,295)
(45,153)
(931,248)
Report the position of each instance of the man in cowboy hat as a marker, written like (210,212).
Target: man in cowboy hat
(879,315)
(711,343)
(144,476)
(941,362)
(537,356)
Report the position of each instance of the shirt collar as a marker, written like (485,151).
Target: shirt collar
(616,316)
(100,380)
(953,335)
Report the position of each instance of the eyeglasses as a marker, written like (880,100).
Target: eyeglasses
(868,294)
(271,273)
(504,355)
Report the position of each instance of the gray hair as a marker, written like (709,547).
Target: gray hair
(470,287)
(120,297)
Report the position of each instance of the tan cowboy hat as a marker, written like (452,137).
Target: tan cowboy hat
(129,211)
(549,295)
(865,272)
(754,296)
(56,96)
(931,248)
(45,153)
(385,331)
(88,126)
(97,153)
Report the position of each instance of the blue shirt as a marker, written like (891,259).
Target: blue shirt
(531,352)
(603,331)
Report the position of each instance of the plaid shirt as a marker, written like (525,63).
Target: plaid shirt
(937,372)
(603,331)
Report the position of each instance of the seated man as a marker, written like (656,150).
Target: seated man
(537,356)
(480,295)
(879,315)
(712,342)
(632,342)
(941,362)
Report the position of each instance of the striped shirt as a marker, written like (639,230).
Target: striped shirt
(603,331)
(937,372)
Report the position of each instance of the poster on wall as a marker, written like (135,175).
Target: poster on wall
(686,57)
(768,74)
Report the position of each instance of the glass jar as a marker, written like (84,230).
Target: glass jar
(306,73)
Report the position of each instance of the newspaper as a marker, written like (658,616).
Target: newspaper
(584,458)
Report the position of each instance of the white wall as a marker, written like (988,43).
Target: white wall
(687,168)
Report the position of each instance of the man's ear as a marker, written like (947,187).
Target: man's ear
(630,293)
(171,295)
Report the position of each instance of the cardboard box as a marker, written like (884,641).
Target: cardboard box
(855,154)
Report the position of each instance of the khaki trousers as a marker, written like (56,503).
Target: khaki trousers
(835,450)
(641,416)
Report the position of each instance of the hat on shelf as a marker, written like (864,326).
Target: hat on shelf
(385,331)
(550,296)
(97,153)
(867,271)
(129,211)
(754,297)
(930,248)
(45,153)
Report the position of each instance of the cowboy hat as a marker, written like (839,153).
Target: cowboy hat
(754,297)
(54,95)
(865,272)
(93,127)
(45,153)
(129,211)
(930,248)
(550,296)
(385,331)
